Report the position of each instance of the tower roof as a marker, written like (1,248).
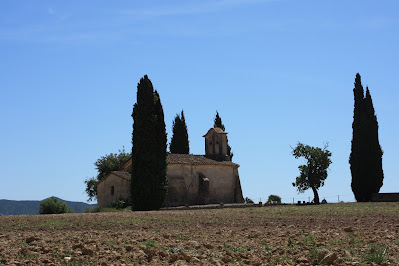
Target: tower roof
(217,130)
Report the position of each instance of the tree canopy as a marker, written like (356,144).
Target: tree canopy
(148,175)
(179,143)
(273,199)
(314,172)
(105,165)
(366,153)
(53,206)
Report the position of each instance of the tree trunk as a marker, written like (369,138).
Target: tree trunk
(316,196)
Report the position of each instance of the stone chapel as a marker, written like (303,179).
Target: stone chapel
(193,179)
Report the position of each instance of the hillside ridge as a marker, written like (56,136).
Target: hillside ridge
(31,207)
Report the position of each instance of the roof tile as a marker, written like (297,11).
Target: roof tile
(196,159)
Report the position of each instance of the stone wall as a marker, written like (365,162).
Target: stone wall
(202,184)
(188,184)
(121,190)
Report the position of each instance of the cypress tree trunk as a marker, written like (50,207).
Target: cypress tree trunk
(148,175)
(366,154)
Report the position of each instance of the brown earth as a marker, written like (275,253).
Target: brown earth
(338,234)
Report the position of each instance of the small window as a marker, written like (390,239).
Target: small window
(210,143)
(112,190)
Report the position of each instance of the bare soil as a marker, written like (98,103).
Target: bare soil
(338,234)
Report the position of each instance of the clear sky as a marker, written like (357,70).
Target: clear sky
(277,71)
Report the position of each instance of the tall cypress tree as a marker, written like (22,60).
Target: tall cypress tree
(148,175)
(179,143)
(217,122)
(355,158)
(366,155)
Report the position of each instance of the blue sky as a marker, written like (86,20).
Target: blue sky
(277,71)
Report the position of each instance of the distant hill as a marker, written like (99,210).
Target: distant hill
(26,207)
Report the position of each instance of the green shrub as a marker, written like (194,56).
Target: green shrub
(53,206)
(119,204)
(273,199)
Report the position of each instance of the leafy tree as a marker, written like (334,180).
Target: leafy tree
(179,143)
(149,181)
(111,162)
(313,174)
(366,154)
(273,199)
(217,122)
(105,165)
(91,188)
(53,206)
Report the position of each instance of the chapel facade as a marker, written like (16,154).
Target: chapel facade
(193,179)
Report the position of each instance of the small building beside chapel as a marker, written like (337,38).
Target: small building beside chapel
(193,179)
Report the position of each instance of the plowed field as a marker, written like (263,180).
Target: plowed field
(339,234)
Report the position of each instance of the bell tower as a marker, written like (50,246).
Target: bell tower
(216,144)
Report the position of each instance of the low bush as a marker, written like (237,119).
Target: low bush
(53,206)
(273,199)
(119,204)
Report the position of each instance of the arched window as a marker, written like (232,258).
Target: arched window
(112,190)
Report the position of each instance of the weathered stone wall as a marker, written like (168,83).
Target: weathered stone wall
(188,182)
(215,144)
(121,190)
(238,197)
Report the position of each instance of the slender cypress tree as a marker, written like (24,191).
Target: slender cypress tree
(355,158)
(161,153)
(366,155)
(179,143)
(148,175)
(217,122)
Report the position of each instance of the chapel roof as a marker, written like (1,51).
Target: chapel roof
(191,159)
(126,164)
(122,174)
(196,160)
